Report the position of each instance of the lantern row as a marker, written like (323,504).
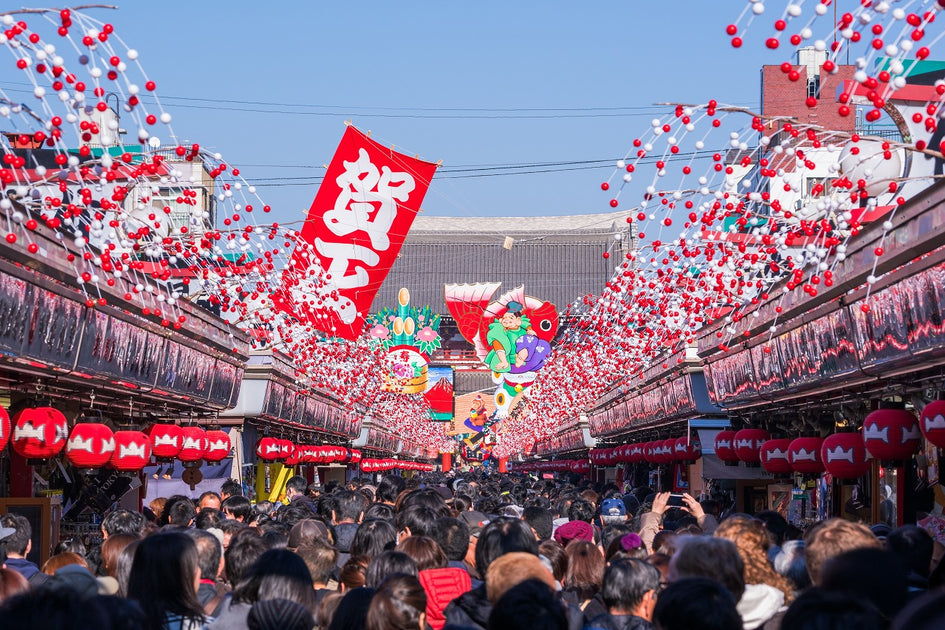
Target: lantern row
(273,449)
(579,466)
(378,465)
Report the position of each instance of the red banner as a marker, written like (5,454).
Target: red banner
(354,230)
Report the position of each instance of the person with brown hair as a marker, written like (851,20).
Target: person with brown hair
(425,551)
(399,604)
(555,555)
(766,592)
(511,569)
(831,538)
(63,559)
(353,573)
(11,583)
(584,578)
(111,549)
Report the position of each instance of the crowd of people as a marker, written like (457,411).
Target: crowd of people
(467,552)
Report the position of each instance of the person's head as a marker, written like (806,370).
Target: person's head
(452,535)
(914,545)
(164,577)
(279,614)
(126,559)
(351,612)
(775,524)
(514,568)
(817,609)
(307,530)
(500,536)
(540,520)
(209,552)
(237,507)
(752,540)
(111,549)
(181,513)
(388,489)
(231,488)
(295,486)
(630,587)
(830,538)
(11,583)
(388,563)
(416,520)
(56,608)
(209,517)
(373,537)
(708,557)
(630,545)
(349,507)
(63,559)
(353,573)
(556,556)
(73,544)
(320,558)
(665,542)
(574,530)
(585,568)
(613,511)
(425,551)
(209,499)
(399,604)
(697,603)
(277,574)
(877,575)
(122,522)
(18,543)
(581,510)
(244,549)
(528,604)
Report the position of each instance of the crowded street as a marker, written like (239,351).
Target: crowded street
(629,318)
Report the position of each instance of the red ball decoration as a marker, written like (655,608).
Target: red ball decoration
(844,455)
(132,451)
(194,444)
(748,443)
(269,449)
(774,456)
(166,440)
(891,434)
(5,428)
(932,423)
(725,447)
(804,453)
(90,445)
(39,432)
(688,449)
(218,446)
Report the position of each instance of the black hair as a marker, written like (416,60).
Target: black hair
(297,484)
(180,513)
(292,514)
(427,497)
(277,574)
(352,611)
(209,517)
(540,520)
(877,575)
(231,488)
(18,541)
(350,505)
(774,522)
(242,552)
(817,609)
(320,558)
(379,510)
(399,604)
(626,582)
(711,557)
(914,545)
(581,510)
(453,536)
(388,489)
(696,604)
(162,578)
(419,519)
(209,551)
(123,522)
(500,536)
(386,564)
(373,538)
(60,608)
(528,604)
(237,505)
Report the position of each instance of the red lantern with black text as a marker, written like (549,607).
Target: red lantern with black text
(932,423)
(166,440)
(891,434)
(218,446)
(774,456)
(193,444)
(844,455)
(132,451)
(804,454)
(747,444)
(90,445)
(39,432)
(725,447)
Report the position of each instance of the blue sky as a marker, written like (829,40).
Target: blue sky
(476,85)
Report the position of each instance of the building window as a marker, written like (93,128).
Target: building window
(813,86)
(818,186)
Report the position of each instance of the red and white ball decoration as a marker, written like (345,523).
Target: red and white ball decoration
(804,454)
(932,422)
(891,434)
(218,446)
(774,456)
(844,455)
(90,445)
(39,432)
(166,440)
(193,444)
(747,444)
(132,451)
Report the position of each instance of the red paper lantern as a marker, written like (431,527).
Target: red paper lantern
(804,454)
(668,451)
(218,446)
(844,455)
(774,456)
(580,466)
(193,445)
(269,449)
(636,453)
(166,440)
(5,428)
(39,432)
(748,443)
(932,423)
(355,456)
(90,445)
(294,457)
(891,434)
(688,449)
(651,451)
(287,448)
(132,451)
(725,447)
